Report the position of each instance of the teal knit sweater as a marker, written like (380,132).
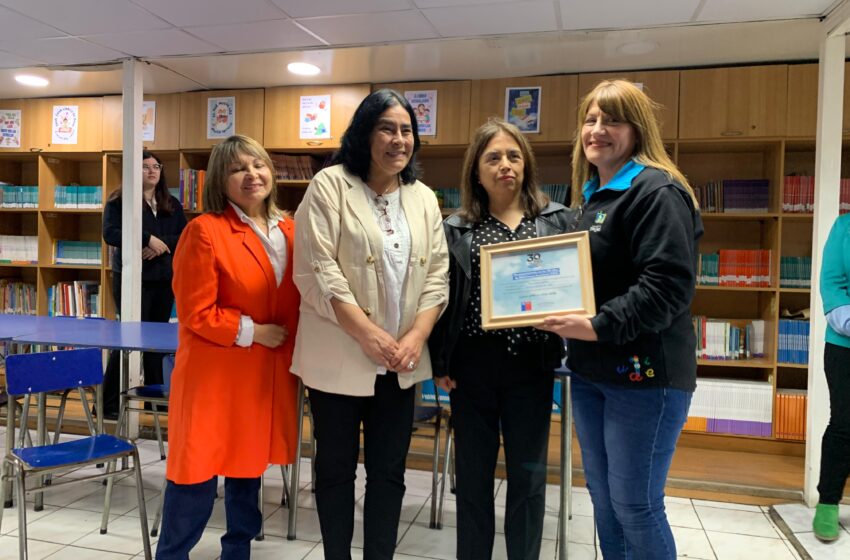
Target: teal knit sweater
(835,274)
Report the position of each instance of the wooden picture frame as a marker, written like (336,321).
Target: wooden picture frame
(522,282)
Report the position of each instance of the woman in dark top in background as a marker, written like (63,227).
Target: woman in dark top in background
(162,223)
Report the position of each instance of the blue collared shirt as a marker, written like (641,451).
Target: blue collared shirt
(619,182)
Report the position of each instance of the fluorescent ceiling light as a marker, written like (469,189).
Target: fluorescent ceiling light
(28,80)
(303,68)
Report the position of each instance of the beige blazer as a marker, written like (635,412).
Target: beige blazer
(338,249)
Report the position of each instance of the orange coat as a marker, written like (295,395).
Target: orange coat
(232,410)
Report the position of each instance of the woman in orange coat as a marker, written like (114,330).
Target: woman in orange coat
(233,400)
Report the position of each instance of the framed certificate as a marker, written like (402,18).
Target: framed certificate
(524,281)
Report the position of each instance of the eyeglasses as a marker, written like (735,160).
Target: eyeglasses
(384,220)
(154,167)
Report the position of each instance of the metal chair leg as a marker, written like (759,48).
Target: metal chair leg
(3,478)
(11,409)
(296,468)
(435,469)
(22,515)
(158,431)
(446,461)
(262,534)
(107,499)
(143,513)
(284,474)
(158,516)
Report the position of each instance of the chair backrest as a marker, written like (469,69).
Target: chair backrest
(53,371)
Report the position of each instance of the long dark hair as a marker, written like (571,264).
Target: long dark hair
(160,192)
(355,152)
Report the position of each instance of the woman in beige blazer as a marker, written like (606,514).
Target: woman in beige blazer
(371,264)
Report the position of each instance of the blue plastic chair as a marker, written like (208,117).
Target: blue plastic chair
(28,375)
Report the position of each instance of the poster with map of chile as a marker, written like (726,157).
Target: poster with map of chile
(315,117)
(522,108)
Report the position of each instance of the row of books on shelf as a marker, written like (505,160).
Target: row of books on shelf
(793,345)
(719,339)
(735,267)
(76,252)
(795,272)
(78,196)
(448,198)
(731,406)
(798,196)
(190,193)
(19,249)
(298,167)
(79,298)
(734,195)
(15,196)
(17,297)
(790,407)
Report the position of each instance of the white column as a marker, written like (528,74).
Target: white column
(131,212)
(827,180)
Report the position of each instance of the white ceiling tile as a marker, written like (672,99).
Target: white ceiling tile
(614,14)
(9,60)
(62,50)
(256,36)
(302,8)
(445,3)
(760,10)
(211,12)
(370,28)
(81,17)
(157,42)
(17,26)
(494,19)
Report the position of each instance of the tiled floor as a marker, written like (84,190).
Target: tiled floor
(68,528)
(798,519)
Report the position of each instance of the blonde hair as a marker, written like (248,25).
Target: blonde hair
(474,202)
(218,170)
(626,102)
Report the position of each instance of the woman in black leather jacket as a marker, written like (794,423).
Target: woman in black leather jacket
(498,380)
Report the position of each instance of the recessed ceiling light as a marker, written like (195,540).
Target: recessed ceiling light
(637,47)
(303,68)
(27,80)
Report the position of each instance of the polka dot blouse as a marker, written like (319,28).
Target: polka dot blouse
(487,232)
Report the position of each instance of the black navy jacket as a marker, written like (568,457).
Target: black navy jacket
(166,228)
(553,220)
(644,249)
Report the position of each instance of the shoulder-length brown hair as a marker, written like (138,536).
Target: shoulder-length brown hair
(160,192)
(474,202)
(627,103)
(222,157)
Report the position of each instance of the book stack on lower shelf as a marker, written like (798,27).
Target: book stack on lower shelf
(79,298)
(793,342)
(190,193)
(798,196)
(86,253)
(791,414)
(735,268)
(18,249)
(720,339)
(16,196)
(78,196)
(726,406)
(734,195)
(795,272)
(17,297)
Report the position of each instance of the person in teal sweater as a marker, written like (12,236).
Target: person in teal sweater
(835,449)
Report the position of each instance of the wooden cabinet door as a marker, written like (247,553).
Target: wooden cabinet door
(452,110)
(27,124)
(558,102)
(661,86)
(733,102)
(89,124)
(193,116)
(283,114)
(166,123)
(803,100)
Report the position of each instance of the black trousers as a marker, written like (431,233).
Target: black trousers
(187,508)
(387,419)
(835,450)
(157,300)
(497,393)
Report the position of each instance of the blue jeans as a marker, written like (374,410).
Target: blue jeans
(627,439)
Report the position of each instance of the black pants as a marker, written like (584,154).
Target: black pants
(157,300)
(496,392)
(187,508)
(387,419)
(835,450)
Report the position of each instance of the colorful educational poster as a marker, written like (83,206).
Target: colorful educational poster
(424,105)
(148,120)
(221,117)
(315,117)
(66,121)
(10,128)
(522,108)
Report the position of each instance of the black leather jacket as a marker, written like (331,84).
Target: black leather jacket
(554,219)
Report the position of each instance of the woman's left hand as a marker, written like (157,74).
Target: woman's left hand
(406,358)
(577,327)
